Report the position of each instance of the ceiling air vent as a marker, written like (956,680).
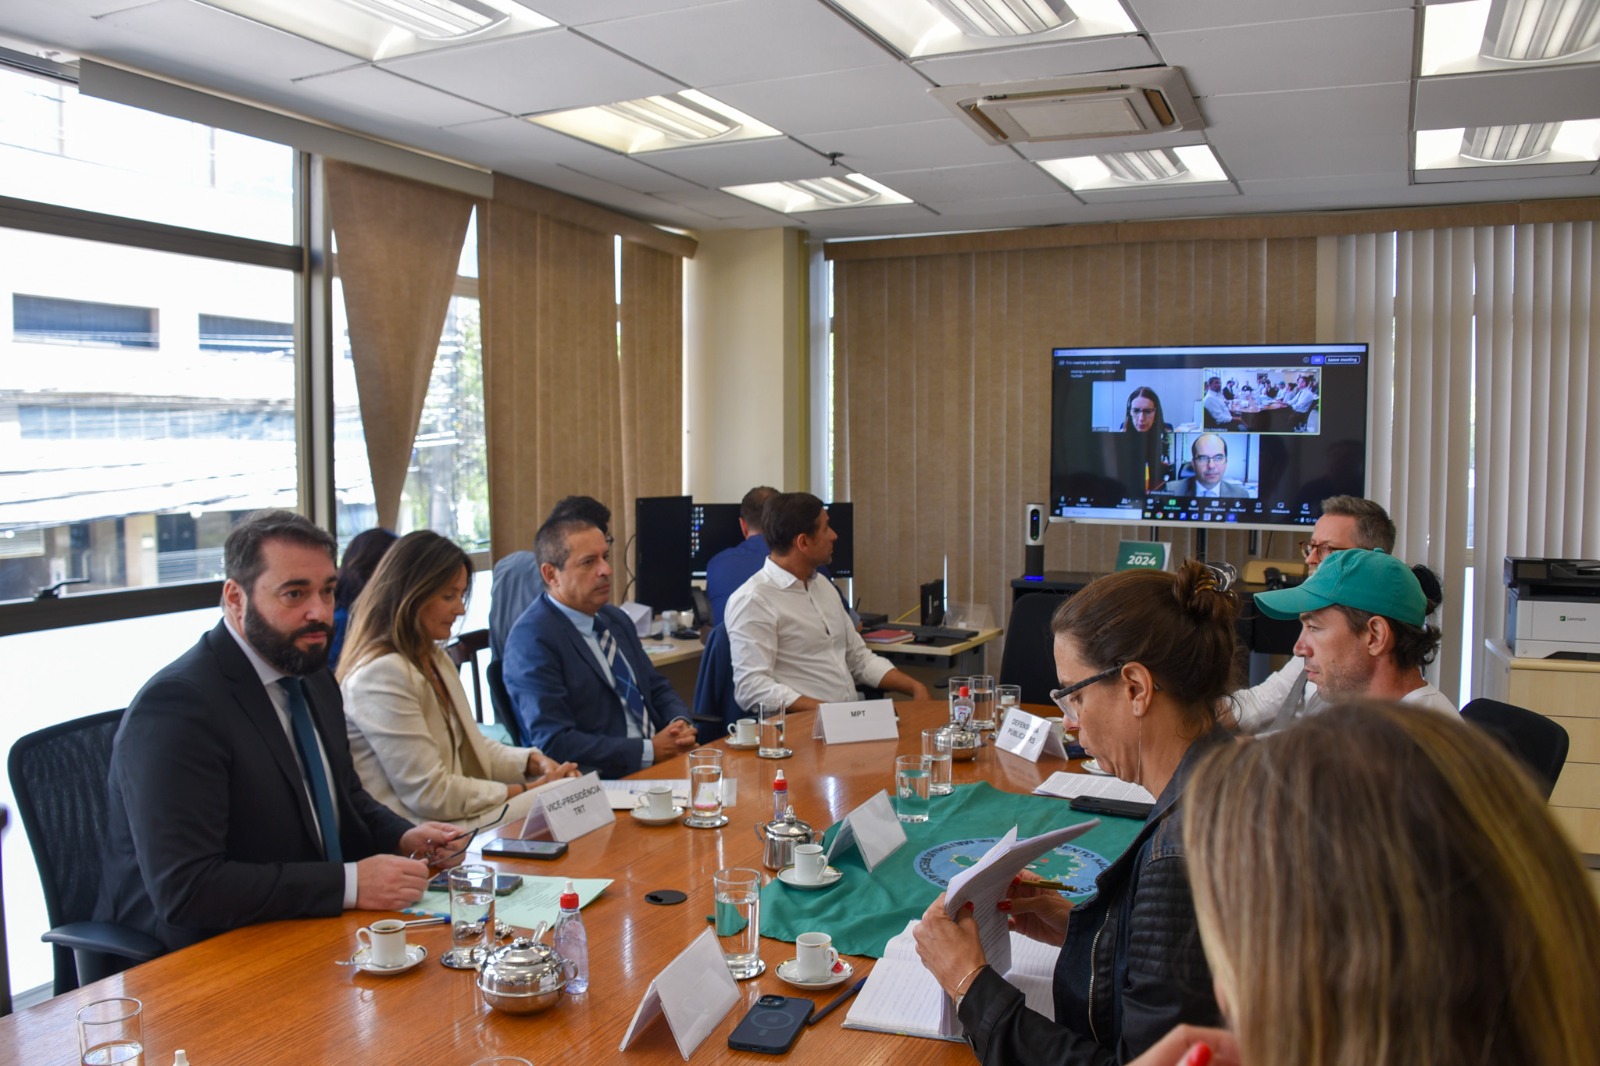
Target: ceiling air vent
(1120,103)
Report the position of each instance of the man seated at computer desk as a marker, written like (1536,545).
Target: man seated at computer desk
(792,642)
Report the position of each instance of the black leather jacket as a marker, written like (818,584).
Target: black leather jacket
(1131,968)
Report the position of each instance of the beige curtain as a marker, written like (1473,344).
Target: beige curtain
(942,381)
(1483,380)
(651,372)
(399,244)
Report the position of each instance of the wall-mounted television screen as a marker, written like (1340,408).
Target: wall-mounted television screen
(1250,436)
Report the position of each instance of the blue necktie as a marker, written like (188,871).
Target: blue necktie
(622,678)
(305,739)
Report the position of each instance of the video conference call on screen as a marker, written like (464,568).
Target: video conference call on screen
(1249,435)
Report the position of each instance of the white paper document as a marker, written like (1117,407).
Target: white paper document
(985,883)
(849,723)
(695,991)
(1070,786)
(901,996)
(872,827)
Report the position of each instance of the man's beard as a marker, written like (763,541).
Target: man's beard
(280,650)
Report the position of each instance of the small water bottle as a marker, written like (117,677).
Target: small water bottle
(961,708)
(572,942)
(780,797)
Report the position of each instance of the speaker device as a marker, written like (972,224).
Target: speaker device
(1034,523)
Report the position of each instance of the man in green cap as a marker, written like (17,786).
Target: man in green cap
(1363,629)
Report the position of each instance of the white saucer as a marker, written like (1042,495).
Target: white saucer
(830,877)
(741,746)
(639,815)
(1093,766)
(788,972)
(415,953)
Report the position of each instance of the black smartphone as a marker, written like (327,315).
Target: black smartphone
(512,848)
(504,884)
(771,1025)
(1120,808)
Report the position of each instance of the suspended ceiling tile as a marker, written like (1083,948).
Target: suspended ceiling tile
(629,173)
(1052,60)
(589,12)
(184,37)
(840,100)
(742,40)
(723,206)
(1161,15)
(369,89)
(533,72)
(1508,97)
(987,181)
(1308,54)
(715,165)
(1317,132)
(909,146)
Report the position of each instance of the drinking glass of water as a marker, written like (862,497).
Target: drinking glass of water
(936,746)
(471,916)
(912,778)
(1009,696)
(111,1033)
(769,718)
(982,688)
(705,789)
(738,920)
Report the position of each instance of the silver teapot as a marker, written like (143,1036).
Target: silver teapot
(781,837)
(524,976)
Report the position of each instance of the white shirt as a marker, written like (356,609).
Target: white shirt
(790,639)
(270,676)
(1217,408)
(1303,400)
(1257,708)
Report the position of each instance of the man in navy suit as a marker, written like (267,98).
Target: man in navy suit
(732,567)
(580,682)
(232,796)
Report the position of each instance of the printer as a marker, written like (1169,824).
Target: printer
(1553,608)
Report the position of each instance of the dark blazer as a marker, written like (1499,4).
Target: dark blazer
(562,699)
(209,826)
(1229,490)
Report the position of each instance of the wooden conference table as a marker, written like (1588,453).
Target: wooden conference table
(272,993)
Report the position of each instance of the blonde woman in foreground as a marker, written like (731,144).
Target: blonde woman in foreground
(1379,887)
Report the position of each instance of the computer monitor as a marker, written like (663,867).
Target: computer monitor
(841,518)
(661,552)
(713,527)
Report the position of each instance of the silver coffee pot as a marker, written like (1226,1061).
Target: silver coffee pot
(781,837)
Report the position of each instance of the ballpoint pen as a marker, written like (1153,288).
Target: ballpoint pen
(836,1002)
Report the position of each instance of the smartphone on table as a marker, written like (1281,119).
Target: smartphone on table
(771,1025)
(512,848)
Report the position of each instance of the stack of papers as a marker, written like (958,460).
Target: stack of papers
(1071,786)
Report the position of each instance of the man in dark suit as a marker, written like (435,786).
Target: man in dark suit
(580,682)
(1209,454)
(732,567)
(232,796)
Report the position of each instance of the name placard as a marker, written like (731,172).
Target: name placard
(1028,736)
(873,828)
(850,723)
(575,807)
(695,991)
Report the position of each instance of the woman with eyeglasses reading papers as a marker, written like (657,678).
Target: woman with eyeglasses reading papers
(414,741)
(1144,658)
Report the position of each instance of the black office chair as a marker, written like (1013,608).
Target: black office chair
(500,700)
(1534,739)
(714,706)
(1029,658)
(58,775)
(464,651)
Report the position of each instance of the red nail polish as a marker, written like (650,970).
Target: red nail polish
(1004,905)
(968,906)
(1199,1055)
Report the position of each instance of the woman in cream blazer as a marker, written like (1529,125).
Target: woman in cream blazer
(414,741)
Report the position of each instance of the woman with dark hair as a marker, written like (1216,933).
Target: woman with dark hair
(361,557)
(1144,657)
(414,741)
(1144,412)
(1145,417)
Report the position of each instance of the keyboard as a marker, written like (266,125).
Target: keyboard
(938,636)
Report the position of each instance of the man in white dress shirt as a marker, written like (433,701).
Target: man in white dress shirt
(792,642)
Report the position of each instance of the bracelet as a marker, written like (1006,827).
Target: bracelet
(965,984)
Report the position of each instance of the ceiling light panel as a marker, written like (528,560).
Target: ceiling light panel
(1193,164)
(806,195)
(1540,143)
(941,27)
(383,29)
(1480,35)
(650,124)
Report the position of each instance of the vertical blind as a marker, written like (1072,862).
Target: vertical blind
(1483,382)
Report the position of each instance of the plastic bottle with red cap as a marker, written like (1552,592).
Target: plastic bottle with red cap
(780,797)
(571,941)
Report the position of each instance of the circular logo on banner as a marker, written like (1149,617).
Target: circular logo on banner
(1067,864)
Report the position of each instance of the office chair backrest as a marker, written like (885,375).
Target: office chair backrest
(1540,743)
(463,651)
(714,706)
(1029,658)
(58,775)
(500,700)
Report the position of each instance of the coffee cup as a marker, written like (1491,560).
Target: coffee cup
(743,731)
(385,942)
(656,801)
(810,862)
(815,958)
